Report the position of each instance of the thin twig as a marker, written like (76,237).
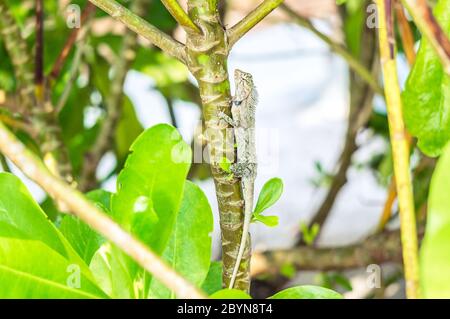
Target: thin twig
(353,63)
(72,77)
(142,27)
(180,16)
(88,11)
(253,18)
(430,28)
(114,103)
(400,148)
(39,56)
(25,160)
(406,34)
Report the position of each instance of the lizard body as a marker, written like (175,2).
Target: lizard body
(243,121)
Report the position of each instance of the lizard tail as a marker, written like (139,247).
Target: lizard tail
(247,189)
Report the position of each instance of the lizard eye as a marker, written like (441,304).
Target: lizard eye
(237,103)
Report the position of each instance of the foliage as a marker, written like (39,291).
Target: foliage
(427,93)
(269,195)
(435,255)
(307,292)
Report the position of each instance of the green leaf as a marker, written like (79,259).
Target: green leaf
(34,256)
(114,272)
(128,129)
(288,270)
(213,281)
(150,187)
(435,252)
(230,294)
(18,209)
(307,292)
(271,221)
(82,238)
(31,269)
(269,195)
(309,234)
(427,93)
(189,248)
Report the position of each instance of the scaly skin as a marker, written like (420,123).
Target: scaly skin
(243,121)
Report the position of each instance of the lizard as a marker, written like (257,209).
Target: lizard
(243,122)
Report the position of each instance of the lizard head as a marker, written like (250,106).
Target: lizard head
(243,77)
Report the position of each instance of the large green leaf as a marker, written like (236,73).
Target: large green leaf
(189,248)
(30,269)
(427,93)
(150,187)
(114,272)
(82,238)
(18,209)
(435,252)
(307,292)
(35,259)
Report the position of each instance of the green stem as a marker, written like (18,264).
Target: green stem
(142,27)
(400,148)
(180,16)
(252,19)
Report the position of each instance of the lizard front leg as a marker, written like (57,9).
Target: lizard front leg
(227,118)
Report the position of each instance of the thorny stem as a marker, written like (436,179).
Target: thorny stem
(430,28)
(26,161)
(400,148)
(253,18)
(180,16)
(114,102)
(18,53)
(142,27)
(353,63)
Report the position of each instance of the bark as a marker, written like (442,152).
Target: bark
(206,57)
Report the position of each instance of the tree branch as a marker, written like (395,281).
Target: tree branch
(406,34)
(21,60)
(353,63)
(25,160)
(377,249)
(88,11)
(142,27)
(253,18)
(180,16)
(430,28)
(400,147)
(114,102)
